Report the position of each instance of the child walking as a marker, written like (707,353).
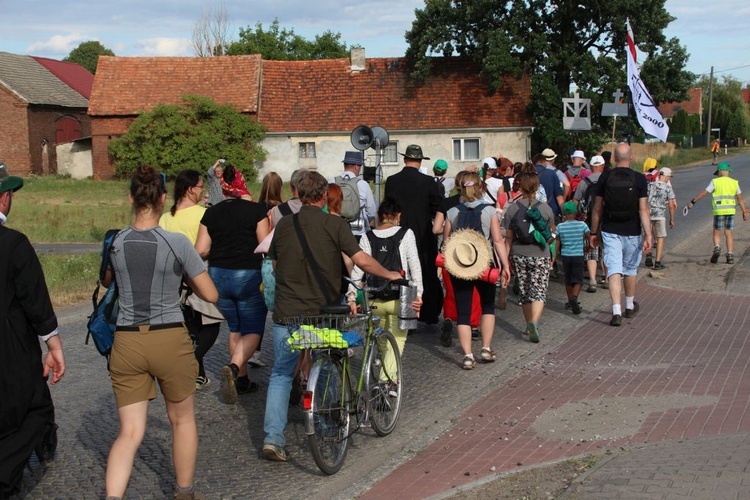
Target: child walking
(571,234)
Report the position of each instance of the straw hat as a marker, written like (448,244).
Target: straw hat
(467,254)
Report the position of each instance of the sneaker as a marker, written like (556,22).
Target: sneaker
(567,306)
(202,383)
(616,320)
(228,394)
(244,386)
(488,355)
(658,265)
(730,258)
(475,334)
(649,260)
(631,313)
(274,453)
(393,390)
(446,335)
(469,363)
(591,288)
(575,306)
(715,255)
(255,361)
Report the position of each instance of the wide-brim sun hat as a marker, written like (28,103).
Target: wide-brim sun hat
(467,254)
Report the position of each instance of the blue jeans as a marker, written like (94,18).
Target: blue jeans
(279,387)
(240,299)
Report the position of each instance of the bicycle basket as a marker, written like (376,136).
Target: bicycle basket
(326,331)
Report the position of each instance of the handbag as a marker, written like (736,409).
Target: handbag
(269,283)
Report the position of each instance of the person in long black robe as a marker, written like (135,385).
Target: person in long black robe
(27,416)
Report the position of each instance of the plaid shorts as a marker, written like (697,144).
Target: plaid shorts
(724,222)
(589,252)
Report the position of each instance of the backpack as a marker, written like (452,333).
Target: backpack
(350,208)
(385,251)
(521,225)
(103,320)
(621,195)
(574,180)
(441,186)
(586,203)
(470,217)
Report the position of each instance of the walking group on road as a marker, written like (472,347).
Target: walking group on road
(219,255)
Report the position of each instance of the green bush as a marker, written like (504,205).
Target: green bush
(193,135)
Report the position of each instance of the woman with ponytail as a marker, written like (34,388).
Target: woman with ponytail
(151,341)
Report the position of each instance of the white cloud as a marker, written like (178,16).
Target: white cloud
(165,47)
(60,43)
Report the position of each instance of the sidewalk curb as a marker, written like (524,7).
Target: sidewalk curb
(609,455)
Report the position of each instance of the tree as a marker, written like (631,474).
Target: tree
(559,43)
(194,134)
(211,32)
(285,45)
(728,109)
(87,55)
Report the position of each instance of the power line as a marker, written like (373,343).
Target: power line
(725,70)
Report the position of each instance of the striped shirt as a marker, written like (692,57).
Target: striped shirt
(571,234)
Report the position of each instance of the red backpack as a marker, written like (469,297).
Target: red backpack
(574,180)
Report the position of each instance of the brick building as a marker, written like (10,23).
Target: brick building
(43,103)
(309,108)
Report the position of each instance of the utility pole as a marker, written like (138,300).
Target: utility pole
(710,103)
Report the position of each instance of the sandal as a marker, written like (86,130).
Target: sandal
(531,331)
(488,355)
(469,362)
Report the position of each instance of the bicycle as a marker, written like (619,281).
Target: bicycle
(333,397)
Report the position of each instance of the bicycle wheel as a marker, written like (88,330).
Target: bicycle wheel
(327,402)
(384,383)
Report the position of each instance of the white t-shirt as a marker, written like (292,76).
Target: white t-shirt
(493,186)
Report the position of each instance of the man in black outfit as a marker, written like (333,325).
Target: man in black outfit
(27,416)
(420,198)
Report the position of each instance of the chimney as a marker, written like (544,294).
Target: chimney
(358,59)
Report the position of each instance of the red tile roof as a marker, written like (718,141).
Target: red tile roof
(325,95)
(74,75)
(128,85)
(692,105)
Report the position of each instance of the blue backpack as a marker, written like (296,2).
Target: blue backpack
(103,320)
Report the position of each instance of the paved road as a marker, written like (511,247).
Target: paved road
(450,416)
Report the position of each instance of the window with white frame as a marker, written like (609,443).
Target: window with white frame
(466,149)
(307,150)
(390,154)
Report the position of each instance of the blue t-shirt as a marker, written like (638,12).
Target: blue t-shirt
(552,187)
(571,234)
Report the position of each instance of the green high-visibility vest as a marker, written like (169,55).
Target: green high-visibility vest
(723,199)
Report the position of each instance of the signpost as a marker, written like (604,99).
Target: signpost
(576,113)
(615,109)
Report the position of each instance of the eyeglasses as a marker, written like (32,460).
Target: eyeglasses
(199,186)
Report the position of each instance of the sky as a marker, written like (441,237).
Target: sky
(715,33)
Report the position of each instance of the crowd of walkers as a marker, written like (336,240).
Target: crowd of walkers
(462,241)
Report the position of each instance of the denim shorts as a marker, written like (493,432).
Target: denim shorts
(622,254)
(240,299)
(724,222)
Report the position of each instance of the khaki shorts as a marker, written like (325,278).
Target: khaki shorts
(660,228)
(138,358)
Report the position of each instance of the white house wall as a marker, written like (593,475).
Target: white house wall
(283,150)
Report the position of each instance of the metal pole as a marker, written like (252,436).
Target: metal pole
(710,103)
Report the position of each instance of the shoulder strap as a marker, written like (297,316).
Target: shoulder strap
(311,260)
(285,209)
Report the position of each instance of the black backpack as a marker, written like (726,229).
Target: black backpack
(521,225)
(385,251)
(441,186)
(586,203)
(470,217)
(621,195)
(103,320)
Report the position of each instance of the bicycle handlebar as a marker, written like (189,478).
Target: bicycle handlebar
(365,288)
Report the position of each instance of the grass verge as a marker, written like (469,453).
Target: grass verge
(70,278)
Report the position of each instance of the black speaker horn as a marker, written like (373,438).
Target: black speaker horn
(379,137)
(362,137)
